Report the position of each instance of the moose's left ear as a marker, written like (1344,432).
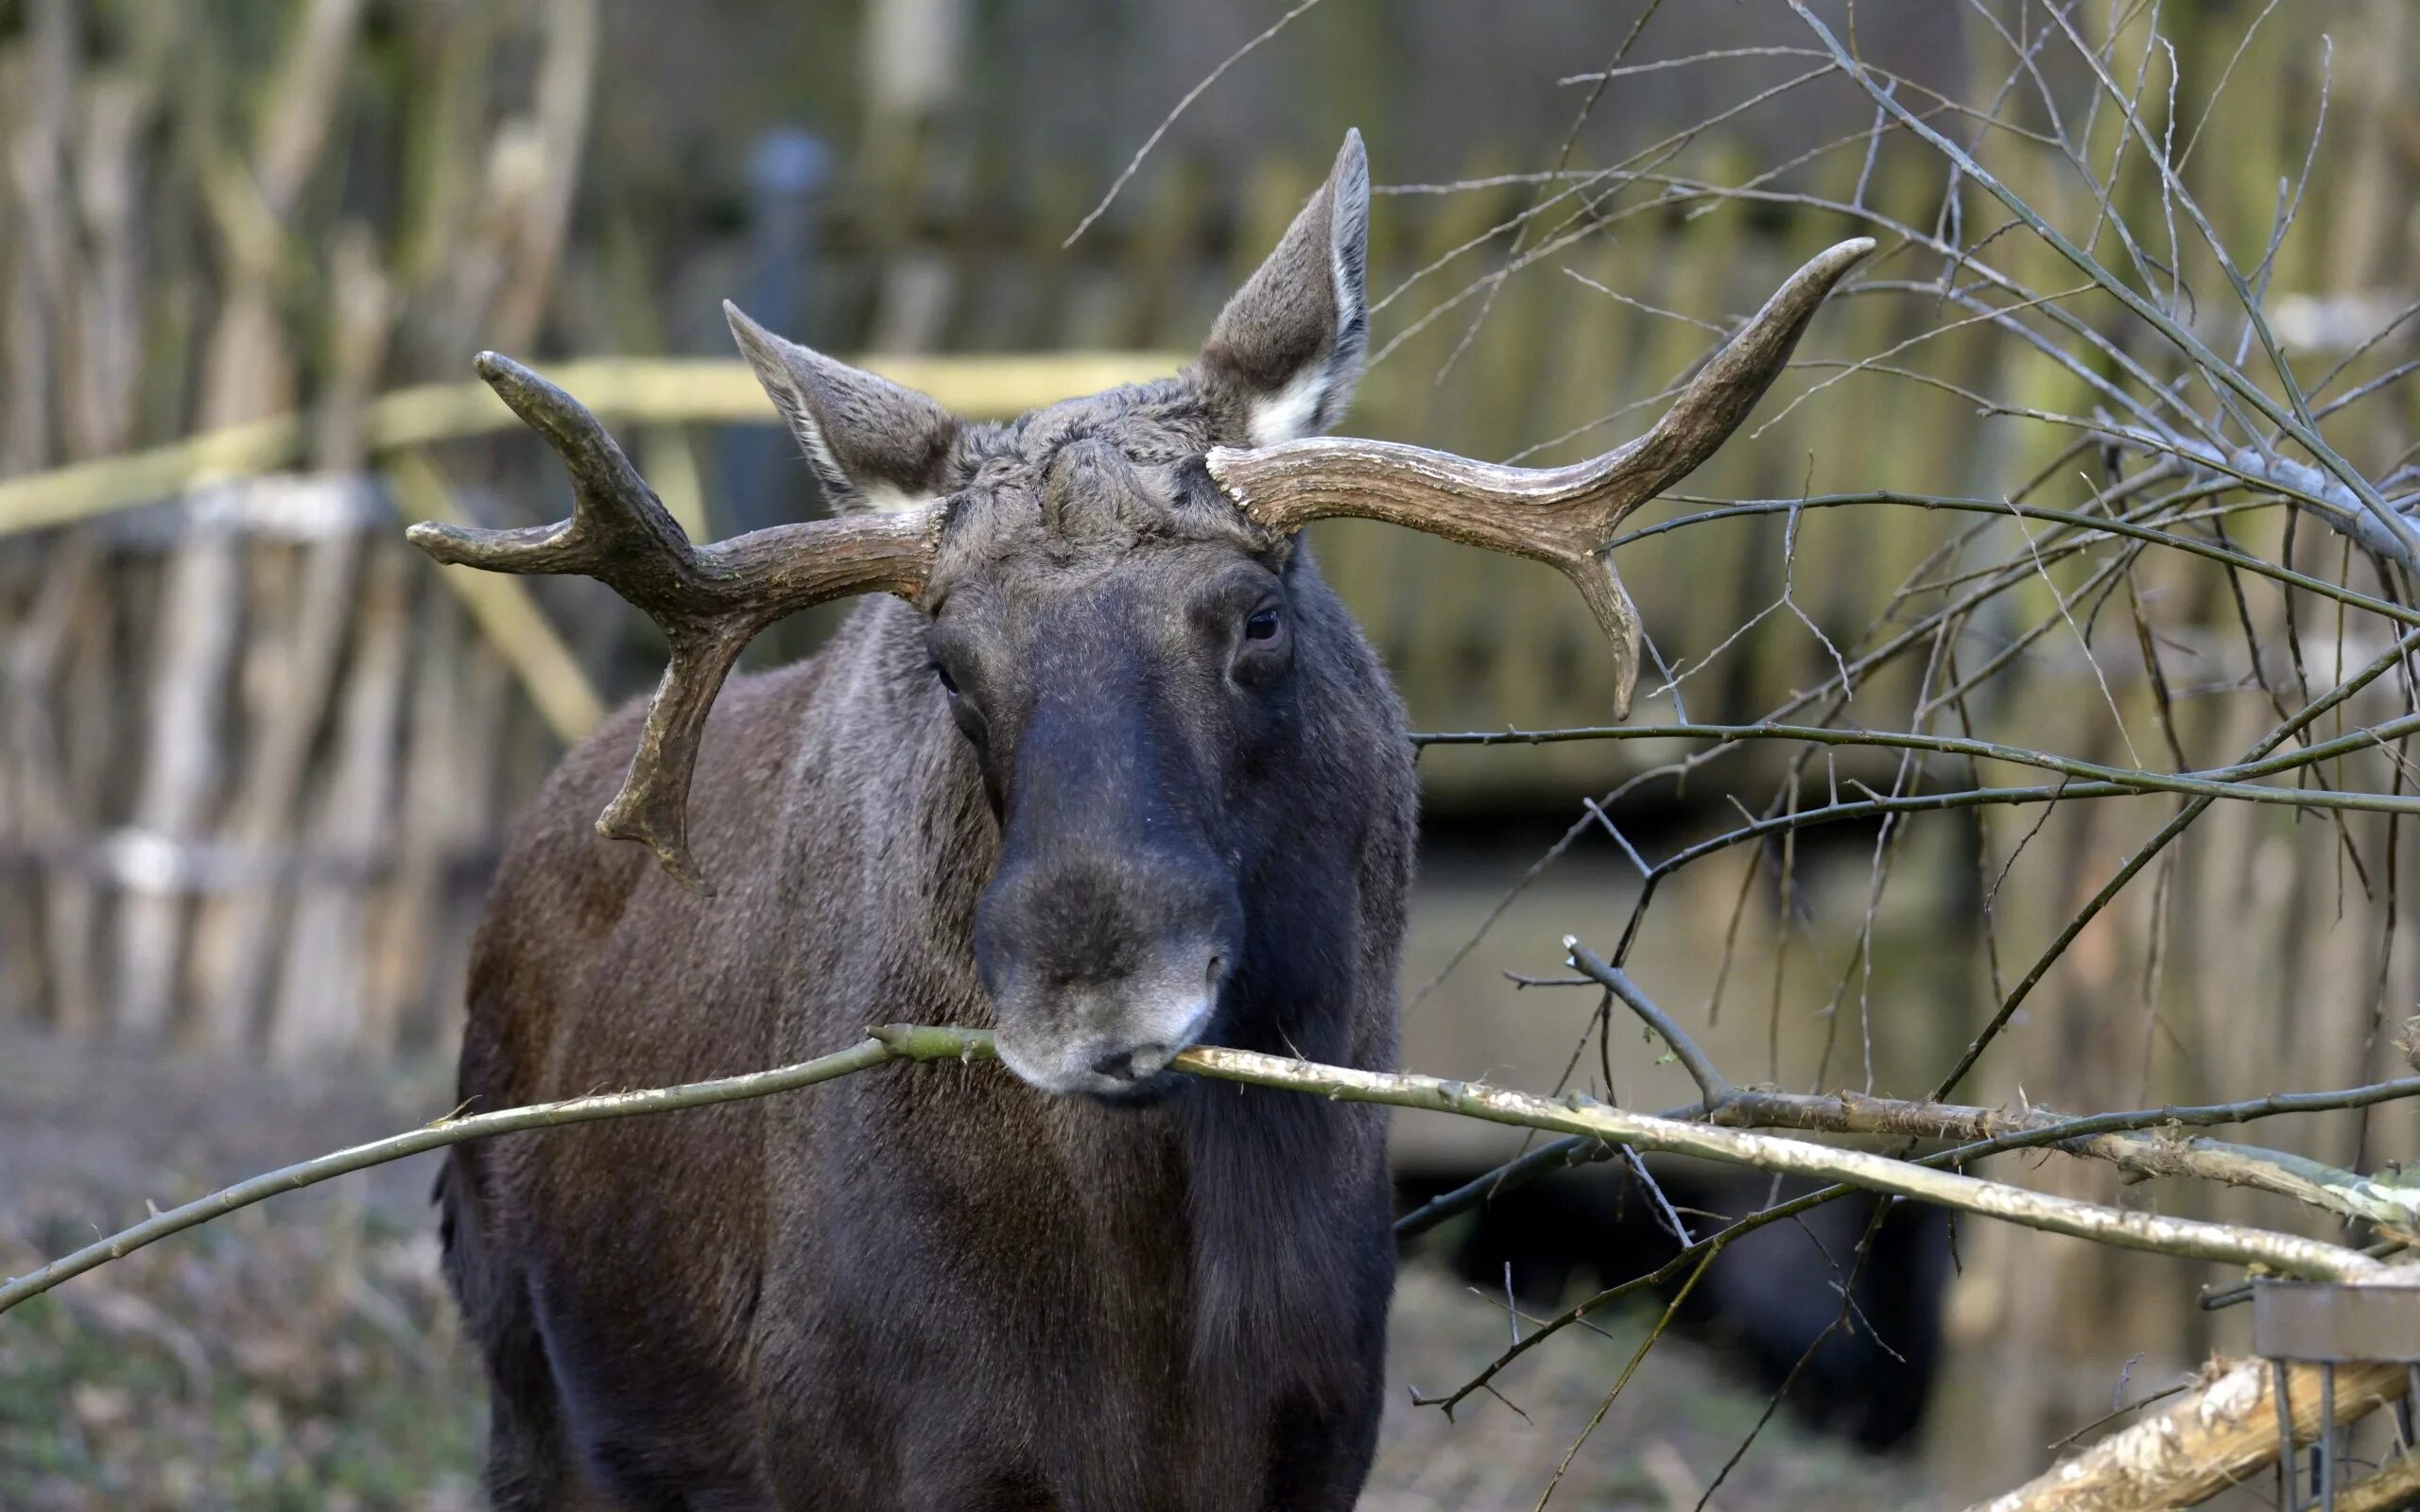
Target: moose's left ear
(1288,346)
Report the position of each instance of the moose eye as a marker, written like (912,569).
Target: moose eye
(1262,626)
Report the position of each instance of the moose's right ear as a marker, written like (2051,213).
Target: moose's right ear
(1288,346)
(876,445)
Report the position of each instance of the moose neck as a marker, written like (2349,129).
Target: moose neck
(1229,1186)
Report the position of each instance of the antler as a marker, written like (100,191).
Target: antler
(710,600)
(1565,516)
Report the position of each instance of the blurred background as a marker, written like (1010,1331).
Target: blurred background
(257,759)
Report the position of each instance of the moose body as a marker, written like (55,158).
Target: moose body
(937,1287)
(920,1286)
(1119,776)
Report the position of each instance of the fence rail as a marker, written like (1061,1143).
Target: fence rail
(638,390)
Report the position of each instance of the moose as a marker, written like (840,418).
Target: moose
(1104,768)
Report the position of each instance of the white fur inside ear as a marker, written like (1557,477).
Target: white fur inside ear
(883,499)
(1301,409)
(810,435)
(846,493)
(1293,411)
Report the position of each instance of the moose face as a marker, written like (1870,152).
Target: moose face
(1116,645)
(1164,707)
(1129,712)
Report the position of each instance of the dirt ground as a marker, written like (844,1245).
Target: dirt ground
(302,1354)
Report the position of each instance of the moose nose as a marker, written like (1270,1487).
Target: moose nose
(1100,977)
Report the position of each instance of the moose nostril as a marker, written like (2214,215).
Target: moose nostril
(1210,978)
(1118,1065)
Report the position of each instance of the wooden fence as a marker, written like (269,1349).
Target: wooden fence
(259,757)
(255,758)
(183,679)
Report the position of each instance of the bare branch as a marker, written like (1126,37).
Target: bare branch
(2389,1200)
(2294,423)
(454,1130)
(1576,1115)
(2188,1238)
(1712,1085)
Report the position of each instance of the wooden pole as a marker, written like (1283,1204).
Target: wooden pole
(2214,1438)
(650,391)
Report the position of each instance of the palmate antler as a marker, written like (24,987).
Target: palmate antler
(1565,516)
(710,601)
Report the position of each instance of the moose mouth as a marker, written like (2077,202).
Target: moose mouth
(1147,1091)
(1145,1079)
(1123,1074)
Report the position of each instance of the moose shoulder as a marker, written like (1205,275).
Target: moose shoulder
(1112,773)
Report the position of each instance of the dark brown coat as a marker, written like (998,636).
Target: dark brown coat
(1126,740)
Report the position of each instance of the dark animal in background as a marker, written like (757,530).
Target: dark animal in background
(1772,1296)
(1114,773)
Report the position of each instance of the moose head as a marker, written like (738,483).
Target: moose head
(1117,621)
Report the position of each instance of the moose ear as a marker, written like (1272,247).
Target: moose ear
(876,445)
(1288,346)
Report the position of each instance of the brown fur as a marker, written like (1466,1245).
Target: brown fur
(937,1287)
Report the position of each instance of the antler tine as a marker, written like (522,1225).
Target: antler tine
(1564,516)
(710,601)
(618,532)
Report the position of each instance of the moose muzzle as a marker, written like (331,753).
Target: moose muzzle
(1102,965)
(1112,925)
